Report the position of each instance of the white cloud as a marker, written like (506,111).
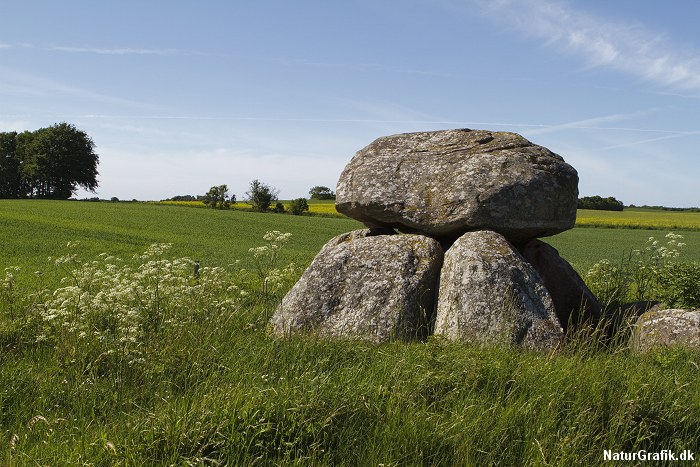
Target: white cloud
(627,47)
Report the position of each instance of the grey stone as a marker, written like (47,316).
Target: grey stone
(445,183)
(490,295)
(665,328)
(375,288)
(573,301)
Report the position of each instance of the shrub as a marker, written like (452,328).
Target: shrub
(679,285)
(298,206)
(651,273)
(279,208)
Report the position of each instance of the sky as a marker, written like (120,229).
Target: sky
(179,96)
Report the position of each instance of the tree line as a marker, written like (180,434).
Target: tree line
(49,163)
(600,203)
(260,196)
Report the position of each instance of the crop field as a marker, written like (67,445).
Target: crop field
(33,230)
(630,218)
(639,218)
(316,207)
(137,362)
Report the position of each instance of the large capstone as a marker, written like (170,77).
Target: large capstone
(446,183)
(367,286)
(490,295)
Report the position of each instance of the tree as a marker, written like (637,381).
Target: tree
(9,166)
(260,196)
(600,203)
(185,198)
(321,192)
(218,197)
(298,206)
(47,163)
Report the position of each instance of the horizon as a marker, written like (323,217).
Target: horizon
(179,97)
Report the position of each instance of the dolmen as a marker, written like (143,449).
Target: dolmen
(450,247)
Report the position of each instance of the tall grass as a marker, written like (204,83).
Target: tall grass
(178,370)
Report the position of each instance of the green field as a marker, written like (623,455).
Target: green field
(138,363)
(33,230)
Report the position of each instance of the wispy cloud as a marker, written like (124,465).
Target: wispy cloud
(532,128)
(601,42)
(285,61)
(595,124)
(97,50)
(114,51)
(18,83)
(680,134)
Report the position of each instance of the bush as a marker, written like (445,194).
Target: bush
(651,273)
(679,285)
(279,208)
(298,206)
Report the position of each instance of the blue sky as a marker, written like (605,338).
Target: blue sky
(179,96)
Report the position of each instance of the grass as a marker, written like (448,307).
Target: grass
(34,230)
(583,247)
(37,229)
(209,386)
(299,401)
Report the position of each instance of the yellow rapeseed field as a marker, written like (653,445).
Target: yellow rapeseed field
(326,208)
(630,218)
(639,218)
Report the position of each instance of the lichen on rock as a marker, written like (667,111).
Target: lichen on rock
(375,288)
(490,295)
(445,183)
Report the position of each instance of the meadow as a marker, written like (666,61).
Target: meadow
(39,229)
(137,362)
